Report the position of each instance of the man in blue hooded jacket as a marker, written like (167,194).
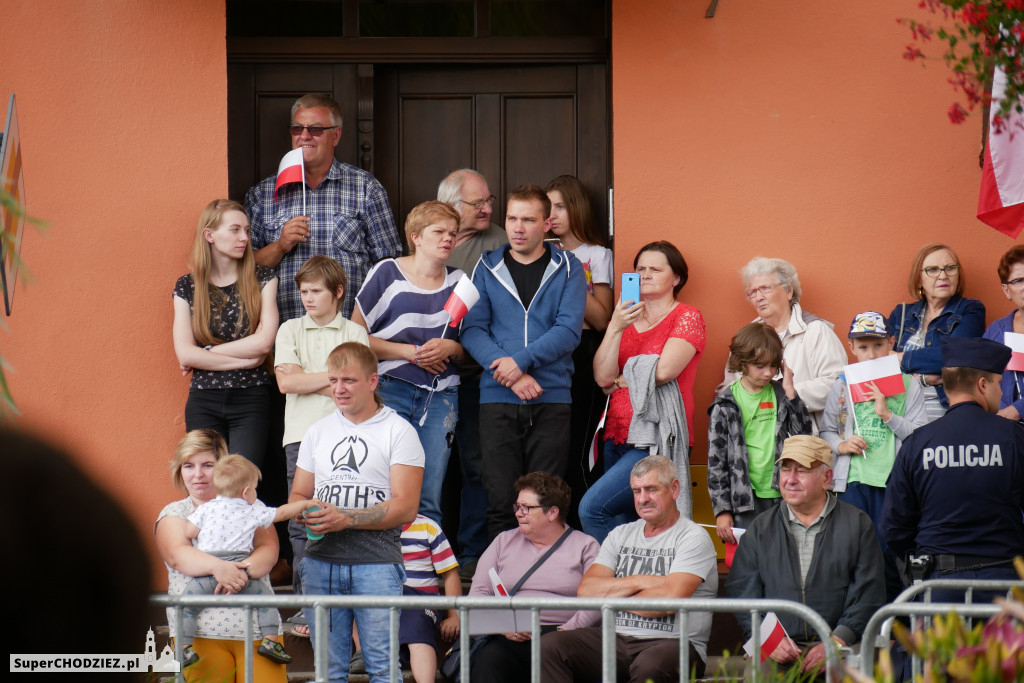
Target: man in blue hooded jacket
(523,332)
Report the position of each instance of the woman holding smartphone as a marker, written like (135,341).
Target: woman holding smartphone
(658,325)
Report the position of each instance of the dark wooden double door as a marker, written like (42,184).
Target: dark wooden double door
(410,125)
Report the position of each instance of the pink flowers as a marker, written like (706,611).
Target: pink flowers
(976,36)
(912,53)
(956,113)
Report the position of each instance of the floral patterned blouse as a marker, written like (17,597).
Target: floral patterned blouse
(224,326)
(684,322)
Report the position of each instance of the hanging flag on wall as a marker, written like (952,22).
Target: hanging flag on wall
(1001,200)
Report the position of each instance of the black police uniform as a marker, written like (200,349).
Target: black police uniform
(956,492)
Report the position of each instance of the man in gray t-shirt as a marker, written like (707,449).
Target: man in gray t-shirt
(661,555)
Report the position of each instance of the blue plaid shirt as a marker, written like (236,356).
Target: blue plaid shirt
(350,221)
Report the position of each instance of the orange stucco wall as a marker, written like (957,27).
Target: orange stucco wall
(123,112)
(790,129)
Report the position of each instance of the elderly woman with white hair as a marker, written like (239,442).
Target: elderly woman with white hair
(810,348)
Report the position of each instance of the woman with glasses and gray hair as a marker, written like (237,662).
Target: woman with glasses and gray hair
(810,348)
(937,283)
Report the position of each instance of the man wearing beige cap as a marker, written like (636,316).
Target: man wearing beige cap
(814,549)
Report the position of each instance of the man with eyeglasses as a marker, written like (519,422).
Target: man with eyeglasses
(467,192)
(347,216)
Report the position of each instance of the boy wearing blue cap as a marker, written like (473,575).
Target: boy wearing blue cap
(866,446)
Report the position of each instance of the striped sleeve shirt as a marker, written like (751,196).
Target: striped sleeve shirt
(398,311)
(426,554)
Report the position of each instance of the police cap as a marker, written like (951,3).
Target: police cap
(978,353)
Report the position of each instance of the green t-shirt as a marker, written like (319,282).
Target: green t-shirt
(874,466)
(759,417)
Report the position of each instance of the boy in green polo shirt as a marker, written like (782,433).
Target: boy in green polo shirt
(750,420)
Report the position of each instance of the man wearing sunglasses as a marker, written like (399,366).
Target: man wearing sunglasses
(347,214)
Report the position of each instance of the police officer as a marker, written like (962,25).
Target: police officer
(956,490)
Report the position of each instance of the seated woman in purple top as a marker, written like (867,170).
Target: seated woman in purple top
(1011,274)
(542,503)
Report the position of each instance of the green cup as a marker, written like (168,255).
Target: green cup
(309,534)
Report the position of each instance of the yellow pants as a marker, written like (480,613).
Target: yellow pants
(222,661)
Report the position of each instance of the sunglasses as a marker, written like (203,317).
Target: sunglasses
(315,131)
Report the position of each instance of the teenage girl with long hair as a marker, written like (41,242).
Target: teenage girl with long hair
(573,223)
(225,322)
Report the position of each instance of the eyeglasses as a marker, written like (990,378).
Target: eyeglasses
(933,271)
(476,205)
(517,508)
(763,290)
(1017,282)
(315,131)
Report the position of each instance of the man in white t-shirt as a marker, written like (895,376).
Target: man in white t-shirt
(661,555)
(366,464)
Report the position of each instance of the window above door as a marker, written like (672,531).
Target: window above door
(418,18)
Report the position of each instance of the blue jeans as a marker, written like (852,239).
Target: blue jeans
(436,432)
(473,511)
(325,578)
(609,502)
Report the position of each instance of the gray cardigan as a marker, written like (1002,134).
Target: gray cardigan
(659,421)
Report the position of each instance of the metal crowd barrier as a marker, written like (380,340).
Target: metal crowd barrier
(465,605)
(879,626)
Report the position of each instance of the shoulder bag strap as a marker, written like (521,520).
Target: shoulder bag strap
(539,562)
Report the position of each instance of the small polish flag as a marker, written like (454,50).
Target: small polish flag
(772,633)
(884,372)
(463,298)
(595,443)
(730,548)
(499,587)
(290,170)
(1016,343)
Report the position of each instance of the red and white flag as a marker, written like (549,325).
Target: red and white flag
(884,372)
(730,548)
(499,587)
(772,633)
(1016,343)
(463,298)
(290,170)
(1001,200)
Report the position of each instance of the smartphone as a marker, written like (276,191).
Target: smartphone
(630,290)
